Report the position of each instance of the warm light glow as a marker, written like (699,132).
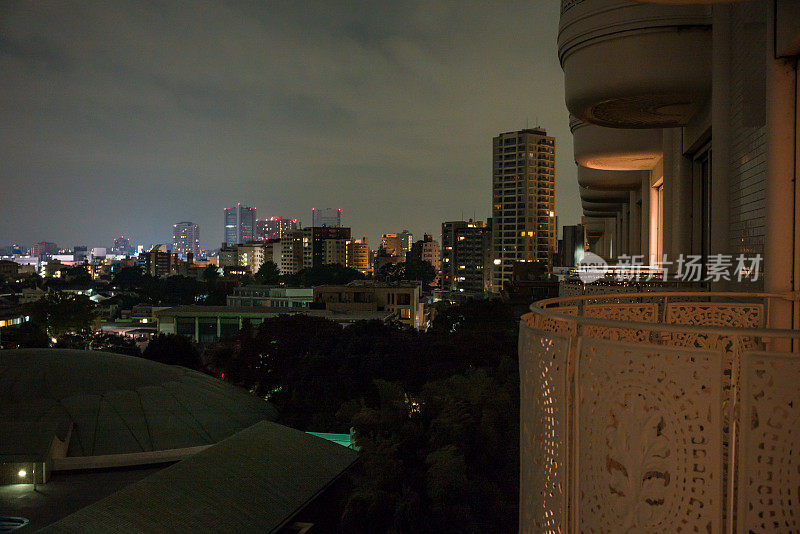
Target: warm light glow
(22,473)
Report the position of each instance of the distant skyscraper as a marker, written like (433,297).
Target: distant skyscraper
(240,224)
(80,253)
(392,245)
(523,201)
(358,255)
(44,247)
(186,239)
(326,217)
(406,240)
(122,245)
(275,227)
(325,245)
(466,255)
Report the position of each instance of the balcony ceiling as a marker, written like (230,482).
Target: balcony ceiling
(609,180)
(614,197)
(615,149)
(635,65)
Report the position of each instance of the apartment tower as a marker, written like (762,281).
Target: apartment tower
(523,201)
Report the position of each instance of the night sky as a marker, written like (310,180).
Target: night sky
(127,117)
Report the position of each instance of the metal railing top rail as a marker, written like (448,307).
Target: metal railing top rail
(543,308)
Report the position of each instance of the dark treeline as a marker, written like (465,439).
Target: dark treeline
(435,414)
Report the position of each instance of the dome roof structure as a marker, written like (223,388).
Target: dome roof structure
(98,403)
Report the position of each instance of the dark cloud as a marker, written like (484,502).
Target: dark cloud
(126,117)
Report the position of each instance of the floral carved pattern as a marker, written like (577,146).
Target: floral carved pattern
(713,314)
(649,439)
(543,397)
(769,461)
(646,313)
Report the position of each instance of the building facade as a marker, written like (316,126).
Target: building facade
(274,228)
(122,245)
(186,239)
(326,217)
(406,241)
(432,253)
(324,245)
(358,255)
(523,201)
(240,224)
(466,256)
(363,296)
(271,297)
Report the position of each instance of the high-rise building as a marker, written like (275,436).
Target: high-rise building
(79,253)
(44,247)
(466,256)
(326,217)
(358,255)
(324,245)
(432,253)
(392,245)
(287,253)
(274,228)
(406,240)
(523,201)
(122,245)
(186,239)
(240,224)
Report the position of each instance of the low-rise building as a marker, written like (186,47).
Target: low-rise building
(271,297)
(367,296)
(209,324)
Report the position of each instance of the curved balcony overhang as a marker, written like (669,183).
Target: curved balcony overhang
(634,65)
(592,195)
(681,392)
(609,180)
(615,149)
(608,207)
(599,214)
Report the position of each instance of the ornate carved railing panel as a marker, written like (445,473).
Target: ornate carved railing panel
(769,450)
(647,313)
(733,315)
(543,430)
(551,324)
(649,439)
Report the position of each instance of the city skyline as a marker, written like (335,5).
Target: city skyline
(163,130)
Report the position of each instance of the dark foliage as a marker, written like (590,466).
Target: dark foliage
(328,274)
(27,335)
(268,274)
(102,341)
(173,349)
(435,413)
(59,313)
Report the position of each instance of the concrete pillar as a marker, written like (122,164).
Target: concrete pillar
(721,132)
(626,246)
(197,330)
(644,217)
(634,235)
(681,201)
(669,182)
(781,224)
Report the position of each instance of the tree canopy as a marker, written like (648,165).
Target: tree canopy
(268,274)
(173,349)
(435,413)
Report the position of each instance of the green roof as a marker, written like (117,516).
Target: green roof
(117,404)
(254,481)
